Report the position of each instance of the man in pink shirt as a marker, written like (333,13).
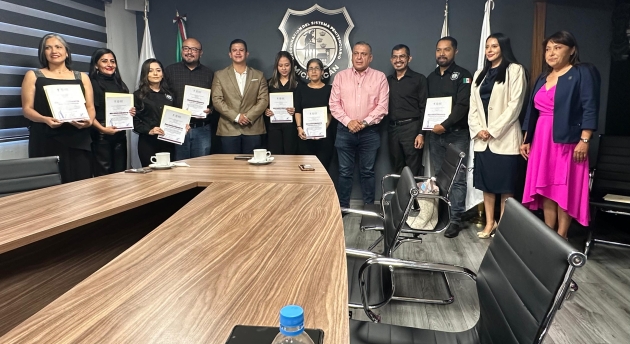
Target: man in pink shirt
(359,100)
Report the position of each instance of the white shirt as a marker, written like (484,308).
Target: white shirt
(241,79)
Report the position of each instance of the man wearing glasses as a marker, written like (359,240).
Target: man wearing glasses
(191,72)
(358,100)
(407,100)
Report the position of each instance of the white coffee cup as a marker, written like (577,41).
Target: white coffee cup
(161,159)
(261,155)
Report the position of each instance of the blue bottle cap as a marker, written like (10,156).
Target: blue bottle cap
(291,316)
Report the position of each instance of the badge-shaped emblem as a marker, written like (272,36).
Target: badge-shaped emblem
(318,33)
(455,76)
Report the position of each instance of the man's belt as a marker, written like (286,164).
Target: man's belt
(403,121)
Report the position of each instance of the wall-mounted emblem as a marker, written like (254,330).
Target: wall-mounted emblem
(318,33)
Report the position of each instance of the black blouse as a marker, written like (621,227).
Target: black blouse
(149,110)
(101,84)
(306,97)
(485,90)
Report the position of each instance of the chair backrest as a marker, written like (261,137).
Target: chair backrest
(19,175)
(612,171)
(397,210)
(453,162)
(523,278)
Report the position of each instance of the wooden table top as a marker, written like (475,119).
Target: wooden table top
(235,254)
(223,168)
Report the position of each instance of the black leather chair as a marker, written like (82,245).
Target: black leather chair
(611,176)
(453,161)
(19,175)
(382,286)
(522,281)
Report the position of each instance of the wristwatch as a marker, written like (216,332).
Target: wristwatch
(365,123)
(584,140)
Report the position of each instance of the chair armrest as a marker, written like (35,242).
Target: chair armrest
(353,252)
(405,264)
(361,212)
(396,176)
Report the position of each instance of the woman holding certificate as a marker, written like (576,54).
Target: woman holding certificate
(109,143)
(281,130)
(58,102)
(150,98)
(496,99)
(312,115)
(561,117)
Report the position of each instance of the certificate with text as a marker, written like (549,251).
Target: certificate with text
(174,122)
(117,106)
(196,100)
(67,102)
(314,122)
(278,103)
(436,111)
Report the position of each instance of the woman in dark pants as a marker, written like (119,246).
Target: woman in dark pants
(282,137)
(315,94)
(109,146)
(70,141)
(150,99)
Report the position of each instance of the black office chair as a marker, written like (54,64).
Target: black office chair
(522,281)
(611,176)
(453,162)
(20,175)
(382,283)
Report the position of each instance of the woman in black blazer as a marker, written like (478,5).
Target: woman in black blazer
(560,121)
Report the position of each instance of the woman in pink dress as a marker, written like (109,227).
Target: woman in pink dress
(560,121)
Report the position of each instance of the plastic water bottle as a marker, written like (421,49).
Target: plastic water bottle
(292,327)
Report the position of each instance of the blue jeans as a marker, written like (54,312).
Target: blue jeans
(196,144)
(242,144)
(366,143)
(437,147)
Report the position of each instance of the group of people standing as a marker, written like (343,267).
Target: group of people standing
(485,108)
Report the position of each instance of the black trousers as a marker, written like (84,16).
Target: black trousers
(323,149)
(282,138)
(401,141)
(148,145)
(109,153)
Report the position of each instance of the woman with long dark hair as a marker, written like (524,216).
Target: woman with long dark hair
(109,146)
(150,98)
(282,137)
(561,117)
(70,141)
(496,99)
(315,94)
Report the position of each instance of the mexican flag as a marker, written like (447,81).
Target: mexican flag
(180,21)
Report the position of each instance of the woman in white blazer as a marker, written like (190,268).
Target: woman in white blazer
(496,99)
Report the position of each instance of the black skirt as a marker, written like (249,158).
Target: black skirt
(495,173)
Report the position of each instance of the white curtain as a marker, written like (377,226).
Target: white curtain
(474,196)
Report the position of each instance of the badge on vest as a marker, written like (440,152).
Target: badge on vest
(455,76)
(169,97)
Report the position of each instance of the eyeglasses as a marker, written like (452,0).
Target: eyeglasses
(399,57)
(194,50)
(314,69)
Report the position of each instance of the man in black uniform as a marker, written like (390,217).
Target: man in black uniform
(407,99)
(451,80)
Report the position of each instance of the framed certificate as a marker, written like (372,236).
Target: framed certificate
(67,102)
(117,107)
(196,100)
(314,122)
(436,111)
(173,123)
(278,103)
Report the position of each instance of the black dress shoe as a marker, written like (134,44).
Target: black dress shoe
(452,230)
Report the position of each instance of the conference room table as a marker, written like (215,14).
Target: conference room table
(217,244)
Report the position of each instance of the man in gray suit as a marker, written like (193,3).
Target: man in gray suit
(240,95)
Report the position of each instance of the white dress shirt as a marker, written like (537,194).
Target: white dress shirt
(241,79)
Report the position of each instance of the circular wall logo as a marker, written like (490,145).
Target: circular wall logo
(318,33)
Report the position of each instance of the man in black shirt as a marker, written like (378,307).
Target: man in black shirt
(451,80)
(191,72)
(407,99)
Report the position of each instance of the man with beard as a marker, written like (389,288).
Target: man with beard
(407,100)
(451,80)
(191,72)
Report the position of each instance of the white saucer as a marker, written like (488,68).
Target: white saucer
(254,162)
(161,167)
